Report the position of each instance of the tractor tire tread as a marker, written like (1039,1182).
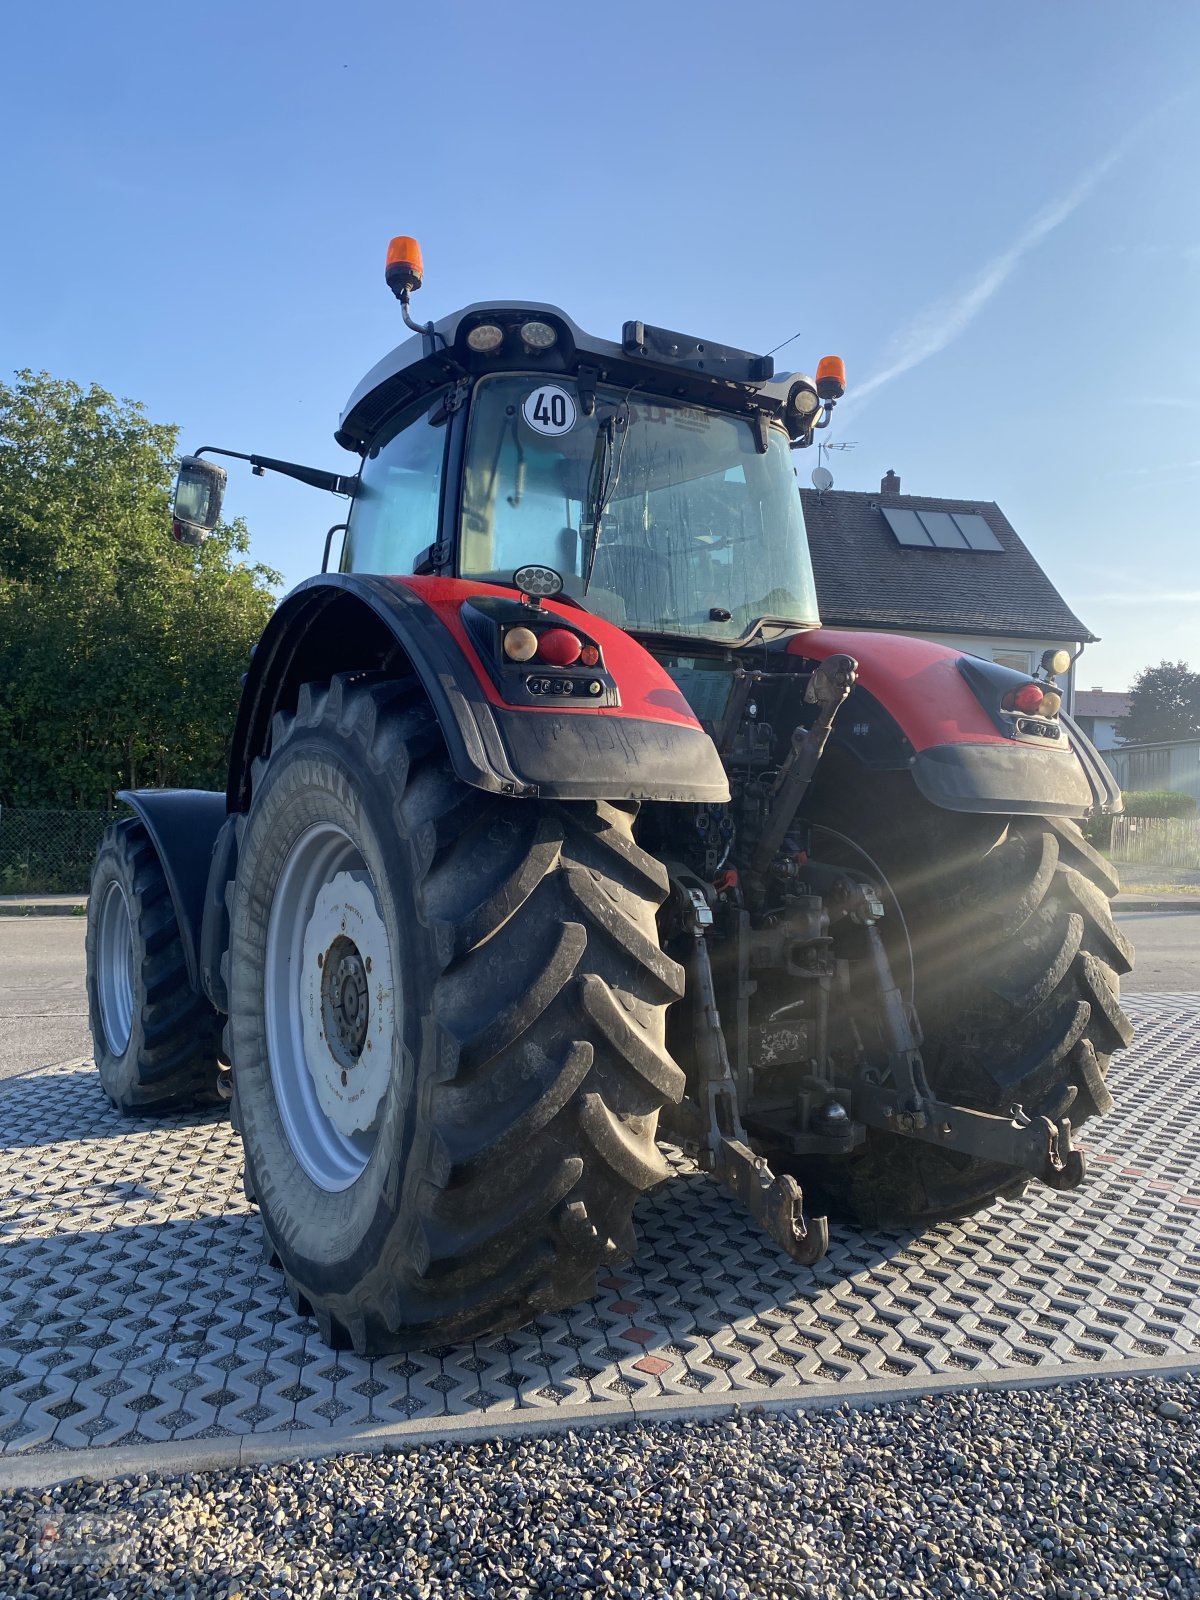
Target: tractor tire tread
(170,1062)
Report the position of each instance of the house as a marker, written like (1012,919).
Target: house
(1097,711)
(954,571)
(1171,764)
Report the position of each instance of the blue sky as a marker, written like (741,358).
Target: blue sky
(989,210)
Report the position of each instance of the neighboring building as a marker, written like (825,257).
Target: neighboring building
(1097,711)
(1173,764)
(954,571)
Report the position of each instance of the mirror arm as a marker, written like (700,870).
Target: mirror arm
(316,477)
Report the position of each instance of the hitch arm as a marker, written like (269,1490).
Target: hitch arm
(776,1202)
(1032,1144)
(906,1104)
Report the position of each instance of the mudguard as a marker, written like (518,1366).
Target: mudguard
(183,825)
(647,745)
(942,731)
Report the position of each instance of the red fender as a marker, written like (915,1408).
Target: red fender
(647,690)
(962,761)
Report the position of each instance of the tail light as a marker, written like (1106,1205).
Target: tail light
(556,647)
(1027,699)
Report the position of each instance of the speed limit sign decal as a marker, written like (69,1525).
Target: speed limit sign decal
(549,410)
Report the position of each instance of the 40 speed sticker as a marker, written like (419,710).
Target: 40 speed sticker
(549,409)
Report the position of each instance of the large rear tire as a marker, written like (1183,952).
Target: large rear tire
(1015,973)
(155,1039)
(447,1028)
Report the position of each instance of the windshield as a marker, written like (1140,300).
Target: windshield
(660,516)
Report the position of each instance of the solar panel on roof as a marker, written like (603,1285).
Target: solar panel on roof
(943,530)
(976,532)
(907,527)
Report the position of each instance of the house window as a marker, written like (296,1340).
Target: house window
(1018,660)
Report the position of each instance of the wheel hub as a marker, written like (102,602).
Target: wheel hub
(347,1004)
(345,1001)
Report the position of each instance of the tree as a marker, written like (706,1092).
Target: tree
(1164,703)
(120,651)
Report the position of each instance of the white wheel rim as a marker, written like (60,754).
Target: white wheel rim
(331,1006)
(114,969)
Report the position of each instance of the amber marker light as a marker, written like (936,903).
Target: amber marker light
(1051,704)
(831,377)
(405,271)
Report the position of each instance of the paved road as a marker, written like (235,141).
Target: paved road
(1168,952)
(43,1014)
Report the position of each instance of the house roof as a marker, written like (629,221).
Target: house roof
(865,577)
(1100,703)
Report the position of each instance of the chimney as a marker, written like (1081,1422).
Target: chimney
(890,484)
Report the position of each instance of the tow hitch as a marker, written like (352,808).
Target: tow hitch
(775,1201)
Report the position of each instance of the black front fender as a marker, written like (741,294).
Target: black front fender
(183,825)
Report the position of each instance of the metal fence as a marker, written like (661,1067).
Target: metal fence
(1156,841)
(49,852)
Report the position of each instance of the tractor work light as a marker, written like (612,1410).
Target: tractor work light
(520,644)
(538,335)
(537,582)
(804,400)
(1056,661)
(831,377)
(405,271)
(485,337)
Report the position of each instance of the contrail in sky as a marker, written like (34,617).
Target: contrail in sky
(941,323)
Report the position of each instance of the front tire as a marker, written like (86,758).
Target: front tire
(155,1039)
(516,999)
(1015,973)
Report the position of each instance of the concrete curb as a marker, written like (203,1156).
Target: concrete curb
(45,1468)
(10,907)
(1165,902)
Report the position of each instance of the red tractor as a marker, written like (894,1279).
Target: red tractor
(556,823)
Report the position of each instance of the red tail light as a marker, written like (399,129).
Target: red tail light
(1027,698)
(559,647)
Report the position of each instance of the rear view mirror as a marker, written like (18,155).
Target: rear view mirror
(196,508)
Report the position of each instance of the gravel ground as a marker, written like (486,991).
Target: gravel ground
(1090,1490)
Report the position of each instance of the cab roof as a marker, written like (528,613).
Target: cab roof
(654,359)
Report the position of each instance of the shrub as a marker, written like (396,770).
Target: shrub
(1158,803)
(1098,831)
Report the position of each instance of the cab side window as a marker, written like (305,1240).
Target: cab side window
(397,510)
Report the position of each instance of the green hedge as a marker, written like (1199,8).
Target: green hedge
(1158,803)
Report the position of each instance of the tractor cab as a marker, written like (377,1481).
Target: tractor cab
(653,475)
